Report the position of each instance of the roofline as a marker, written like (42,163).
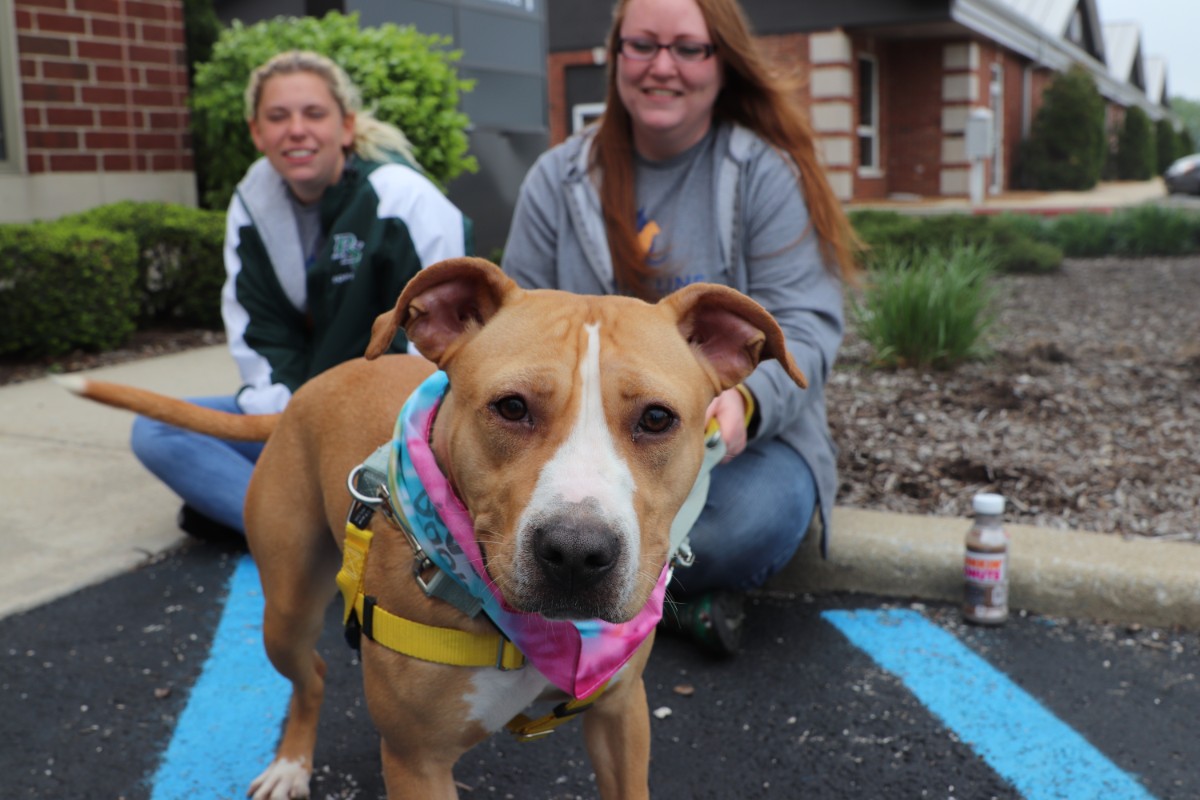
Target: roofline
(1001,24)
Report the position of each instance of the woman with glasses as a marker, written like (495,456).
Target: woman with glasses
(703,168)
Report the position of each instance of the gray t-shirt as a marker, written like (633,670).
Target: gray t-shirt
(308,226)
(677,217)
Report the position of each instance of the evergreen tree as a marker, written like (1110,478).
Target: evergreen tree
(1067,145)
(1135,147)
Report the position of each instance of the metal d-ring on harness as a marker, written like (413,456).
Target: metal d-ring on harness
(363,616)
(373,472)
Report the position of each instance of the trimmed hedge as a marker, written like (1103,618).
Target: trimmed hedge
(88,281)
(1147,230)
(65,286)
(1030,242)
(1010,244)
(179,259)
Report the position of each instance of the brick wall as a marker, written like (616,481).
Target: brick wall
(104,85)
(913,124)
(1039,82)
(1014,107)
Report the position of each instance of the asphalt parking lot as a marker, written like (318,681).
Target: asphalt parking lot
(97,687)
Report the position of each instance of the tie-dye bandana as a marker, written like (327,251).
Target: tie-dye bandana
(576,656)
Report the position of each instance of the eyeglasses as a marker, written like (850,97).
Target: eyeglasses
(638,49)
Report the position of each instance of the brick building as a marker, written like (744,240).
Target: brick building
(891,85)
(93,105)
(93,93)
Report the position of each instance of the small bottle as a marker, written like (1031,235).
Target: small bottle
(985,568)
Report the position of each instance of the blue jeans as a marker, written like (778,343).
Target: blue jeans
(210,475)
(759,508)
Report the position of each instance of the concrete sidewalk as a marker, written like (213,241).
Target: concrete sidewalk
(1103,198)
(77,508)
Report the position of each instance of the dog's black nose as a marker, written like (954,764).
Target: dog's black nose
(575,553)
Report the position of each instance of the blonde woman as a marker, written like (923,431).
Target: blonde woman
(322,234)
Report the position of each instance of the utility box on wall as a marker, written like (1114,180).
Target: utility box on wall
(979,134)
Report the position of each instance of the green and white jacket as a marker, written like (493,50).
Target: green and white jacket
(380,224)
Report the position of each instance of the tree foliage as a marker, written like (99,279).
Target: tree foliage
(1167,145)
(1188,111)
(1067,144)
(1135,147)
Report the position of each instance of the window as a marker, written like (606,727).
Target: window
(996,95)
(584,114)
(868,114)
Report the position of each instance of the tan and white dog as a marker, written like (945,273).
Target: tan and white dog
(561,408)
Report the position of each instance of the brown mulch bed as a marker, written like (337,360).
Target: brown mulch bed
(1087,417)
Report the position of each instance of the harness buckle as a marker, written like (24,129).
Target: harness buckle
(422,562)
(500,655)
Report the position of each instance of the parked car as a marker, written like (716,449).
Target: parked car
(1183,176)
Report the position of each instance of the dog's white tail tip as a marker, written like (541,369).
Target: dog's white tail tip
(72,383)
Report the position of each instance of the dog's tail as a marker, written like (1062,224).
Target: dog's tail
(180,413)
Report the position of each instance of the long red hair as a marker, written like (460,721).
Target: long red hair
(751,95)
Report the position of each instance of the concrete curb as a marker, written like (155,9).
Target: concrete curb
(1059,573)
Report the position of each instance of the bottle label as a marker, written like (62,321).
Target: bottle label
(985,597)
(988,569)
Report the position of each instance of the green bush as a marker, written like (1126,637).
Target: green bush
(1067,143)
(1032,226)
(1167,146)
(1186,145)
(879,228)
(930,310)
(1151,230)
(65,286)
(1082,234)
(405,77)
(180,261)
(1135,147)
(1010,242)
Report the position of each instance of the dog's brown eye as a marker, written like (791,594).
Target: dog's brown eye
(656,419)
(512,408)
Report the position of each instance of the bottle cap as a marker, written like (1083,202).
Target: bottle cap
(992,504)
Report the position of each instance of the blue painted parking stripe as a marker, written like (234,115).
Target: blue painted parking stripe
(1044,758)
(227,733)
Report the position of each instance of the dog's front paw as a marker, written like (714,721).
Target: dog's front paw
(283,780)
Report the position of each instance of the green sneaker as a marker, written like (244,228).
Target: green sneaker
(712,620)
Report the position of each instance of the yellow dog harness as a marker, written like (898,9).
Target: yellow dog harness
(363,617)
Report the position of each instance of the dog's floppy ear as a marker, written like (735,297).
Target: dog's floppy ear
(731,331)
(440,304)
